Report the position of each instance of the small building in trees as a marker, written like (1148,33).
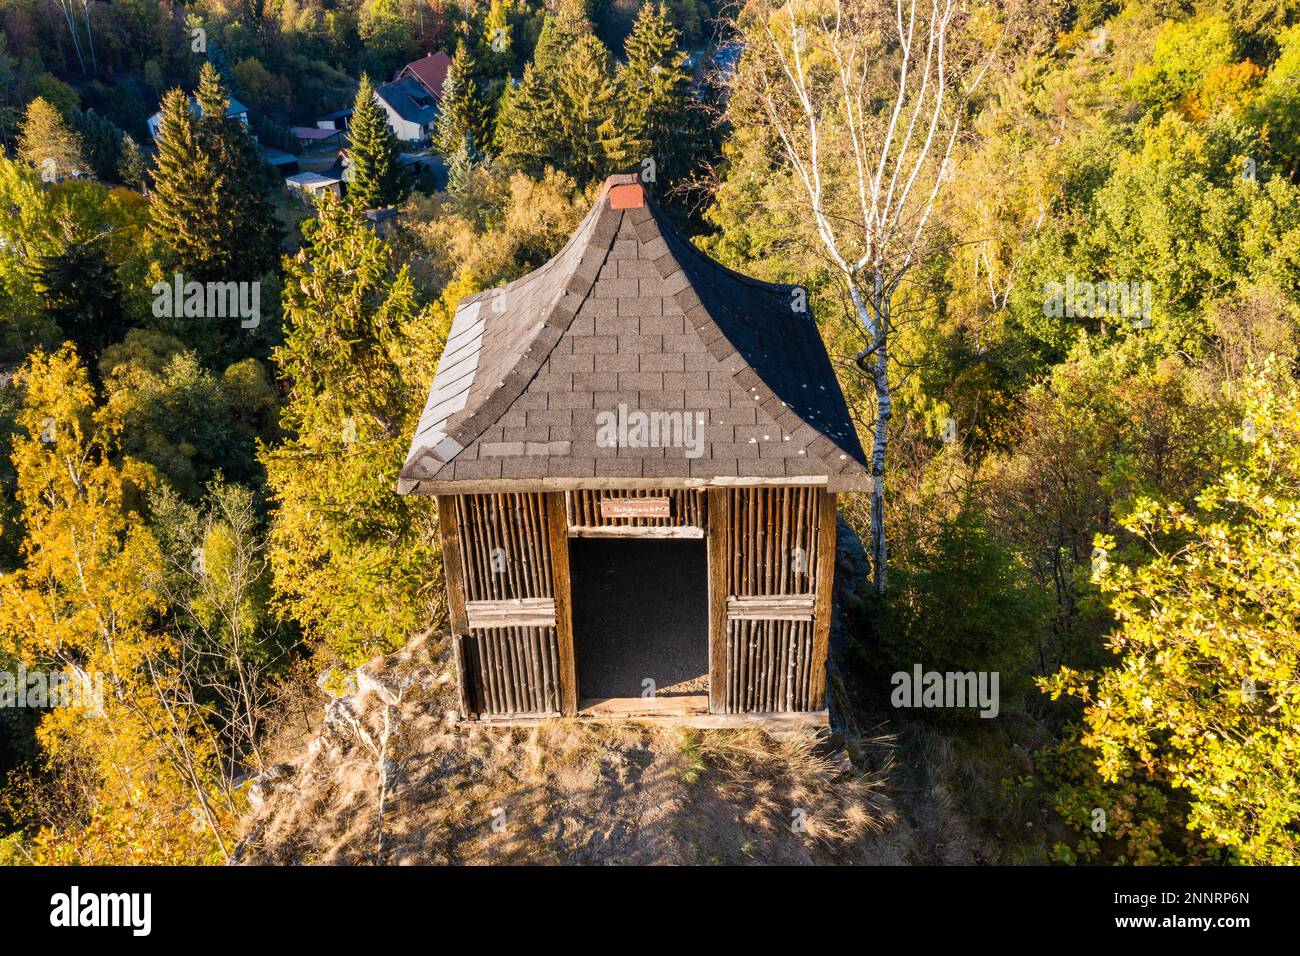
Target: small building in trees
(315,137)
(309,185)
(636,453)
(338,119)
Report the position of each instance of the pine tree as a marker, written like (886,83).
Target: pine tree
(46,141)
(563,112)
(654,94)
(461,116)
(377,177)
(208,207)
(351,576)
(78,287)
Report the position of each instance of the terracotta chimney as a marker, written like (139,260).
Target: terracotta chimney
(626,196)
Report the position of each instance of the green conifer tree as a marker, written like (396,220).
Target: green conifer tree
(79,288)
(461,118)
(208,208)
(377,177)
(591,144)
(654,94)
(353,577)
(182,177)
(563,112)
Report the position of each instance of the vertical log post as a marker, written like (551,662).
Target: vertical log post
(452,571)
(716,517)
(825,585)
(557,528)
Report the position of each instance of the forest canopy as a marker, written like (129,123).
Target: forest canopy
(1065,315)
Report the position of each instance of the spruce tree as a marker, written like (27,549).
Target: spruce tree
(79,288)
(377,177)
(654,94)
(250,244)
(353,577)
(182,177)
(563,112)
(590,141)
(208,207)
(461,117)
(101,141)
(132,168)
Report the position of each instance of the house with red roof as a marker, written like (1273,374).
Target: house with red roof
(430,71)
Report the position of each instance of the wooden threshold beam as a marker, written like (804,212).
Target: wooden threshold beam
(817,721)
(631,531)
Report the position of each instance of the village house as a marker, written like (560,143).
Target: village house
(412,110)
(411,98)
(636,453)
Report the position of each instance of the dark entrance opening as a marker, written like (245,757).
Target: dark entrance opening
(640,610)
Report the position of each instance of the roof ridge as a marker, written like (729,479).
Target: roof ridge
(837,456)
(600,227)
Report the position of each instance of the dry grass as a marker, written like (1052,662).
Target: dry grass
(566,792)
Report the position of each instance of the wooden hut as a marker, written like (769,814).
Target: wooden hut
(635,453)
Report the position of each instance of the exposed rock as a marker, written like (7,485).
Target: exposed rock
(268,781)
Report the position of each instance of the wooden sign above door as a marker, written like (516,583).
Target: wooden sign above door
(634,508)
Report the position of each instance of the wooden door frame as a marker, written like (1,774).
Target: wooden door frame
(715,523)
(557,530)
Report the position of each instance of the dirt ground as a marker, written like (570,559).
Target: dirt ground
(559,792)
(385,774)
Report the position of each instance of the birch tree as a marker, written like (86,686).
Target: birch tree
(864,101)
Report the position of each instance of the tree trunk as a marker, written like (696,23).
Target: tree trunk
(66,6)
(884,410)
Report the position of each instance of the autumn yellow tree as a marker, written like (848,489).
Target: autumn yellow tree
(1205,695)
(84,602)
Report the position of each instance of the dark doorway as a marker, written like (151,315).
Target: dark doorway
(640,610)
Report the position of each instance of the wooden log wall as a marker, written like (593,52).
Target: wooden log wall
(772,541)
(769,666)
(502,587)
(770,643)
(503,546)
(516,669)
(686,510)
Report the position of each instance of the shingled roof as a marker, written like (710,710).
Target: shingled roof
(630,315)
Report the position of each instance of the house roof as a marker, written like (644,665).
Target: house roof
(278,157)
(409,100)
(630,317)
(429,71)
(310,180)
(313,133)
(235,109)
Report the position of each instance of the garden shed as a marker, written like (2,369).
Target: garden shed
(636,453)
